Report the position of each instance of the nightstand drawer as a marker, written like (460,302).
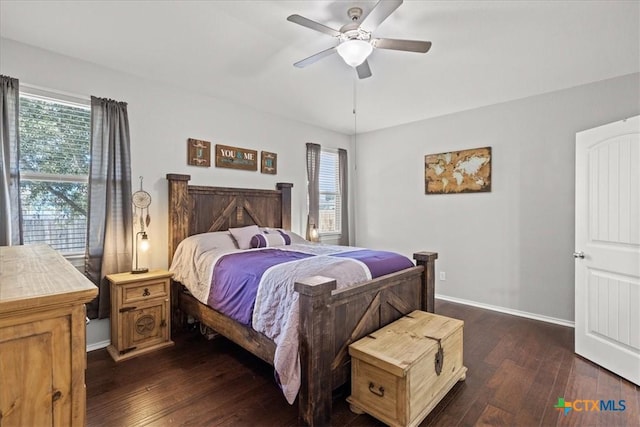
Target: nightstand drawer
(143,291)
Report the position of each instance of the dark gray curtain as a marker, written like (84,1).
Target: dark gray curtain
(343,167)
(110,214)
(10,211)
(313,186)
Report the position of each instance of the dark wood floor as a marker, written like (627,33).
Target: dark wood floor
(518,368)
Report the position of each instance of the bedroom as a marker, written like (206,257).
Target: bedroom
(519,259)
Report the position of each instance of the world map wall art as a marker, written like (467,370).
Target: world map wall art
(466,171)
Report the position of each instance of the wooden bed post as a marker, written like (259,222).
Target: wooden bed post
(428,261)
(314,397)
(178,210)
(285,188)
(178,230)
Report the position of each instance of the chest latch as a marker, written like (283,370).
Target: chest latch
(439,358)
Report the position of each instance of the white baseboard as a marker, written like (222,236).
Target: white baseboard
(511,311)
(98,345)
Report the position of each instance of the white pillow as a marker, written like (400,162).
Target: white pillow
(295,238)
(243,235)
(204,242)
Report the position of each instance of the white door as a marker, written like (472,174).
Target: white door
(607,251)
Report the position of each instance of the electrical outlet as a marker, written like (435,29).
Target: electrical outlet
(443,276)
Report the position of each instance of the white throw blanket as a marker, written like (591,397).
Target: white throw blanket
(276,311)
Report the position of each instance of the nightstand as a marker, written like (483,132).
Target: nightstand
(140,313)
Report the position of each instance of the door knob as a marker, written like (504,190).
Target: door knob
(578,255)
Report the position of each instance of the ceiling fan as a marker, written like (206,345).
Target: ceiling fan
(355,41)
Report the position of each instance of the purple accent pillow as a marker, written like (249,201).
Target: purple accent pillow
(266,240)
(285,237)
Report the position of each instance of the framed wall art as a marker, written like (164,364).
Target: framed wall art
(269,163)
(198,152)
(236,158)
(465,171)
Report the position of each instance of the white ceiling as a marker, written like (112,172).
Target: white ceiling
(484,52)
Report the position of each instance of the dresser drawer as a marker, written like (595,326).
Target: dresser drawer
(142,291)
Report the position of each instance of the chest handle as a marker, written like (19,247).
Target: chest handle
(377,392)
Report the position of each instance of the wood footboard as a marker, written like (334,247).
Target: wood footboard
(332,319)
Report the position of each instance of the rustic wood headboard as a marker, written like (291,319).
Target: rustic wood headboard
(198,209)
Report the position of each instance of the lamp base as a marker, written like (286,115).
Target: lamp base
(139,270)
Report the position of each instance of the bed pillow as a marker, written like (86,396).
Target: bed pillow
(243,235)
(275,238)
(208,241)
(295,238)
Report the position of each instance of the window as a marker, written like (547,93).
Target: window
(54,168)
(330,198)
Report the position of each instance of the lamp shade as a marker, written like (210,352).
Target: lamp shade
(354,52)
(141,245)
(144,243)
(314,233)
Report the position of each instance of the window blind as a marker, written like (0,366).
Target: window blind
(54,168)
(330,200)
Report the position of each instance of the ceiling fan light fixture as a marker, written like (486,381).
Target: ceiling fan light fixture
(354,52)
(355,41)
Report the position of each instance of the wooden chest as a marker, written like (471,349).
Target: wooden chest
(400,372)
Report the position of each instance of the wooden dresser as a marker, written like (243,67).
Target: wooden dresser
(42,338)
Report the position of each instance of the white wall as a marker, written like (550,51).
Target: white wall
(511,247)
(161,119)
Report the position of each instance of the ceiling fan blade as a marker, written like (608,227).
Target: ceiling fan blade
(405,45)
(305,22)
(363,70)
(379,13)
(313,58)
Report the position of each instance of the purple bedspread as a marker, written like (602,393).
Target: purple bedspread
(237,276)
(378,262)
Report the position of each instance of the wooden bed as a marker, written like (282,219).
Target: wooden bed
(330,319)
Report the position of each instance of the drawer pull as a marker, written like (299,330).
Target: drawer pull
(146,292)
(57,395)
(378,392)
